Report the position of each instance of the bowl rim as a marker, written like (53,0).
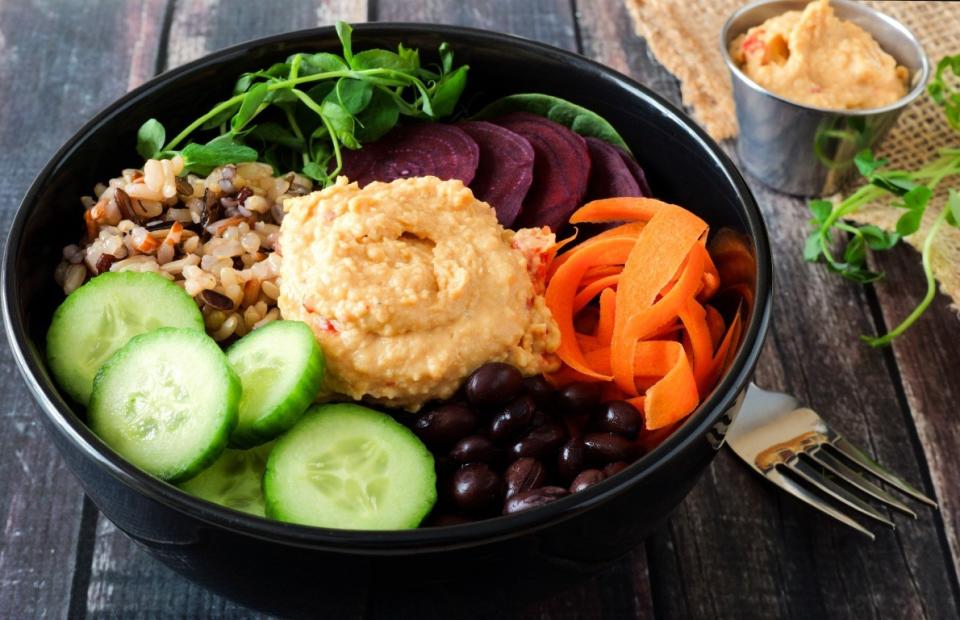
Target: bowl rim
(920,78)
(393,542)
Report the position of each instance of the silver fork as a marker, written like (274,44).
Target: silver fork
(795,449)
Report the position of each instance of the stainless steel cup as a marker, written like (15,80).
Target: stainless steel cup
(805,150)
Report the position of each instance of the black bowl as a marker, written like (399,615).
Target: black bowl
(293,568)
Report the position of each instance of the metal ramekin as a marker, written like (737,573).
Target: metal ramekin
(806,150)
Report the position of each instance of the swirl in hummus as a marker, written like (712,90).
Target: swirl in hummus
(411,285)
(814,58)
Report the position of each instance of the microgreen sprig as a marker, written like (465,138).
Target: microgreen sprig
(912,192)
(302,113)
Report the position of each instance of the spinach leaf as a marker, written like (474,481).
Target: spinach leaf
(322,62)
(353,95)
(202,158)
(571,115)
(248,107)
(449,89)
(379,117)
(382,59)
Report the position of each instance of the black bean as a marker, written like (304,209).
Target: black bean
(532,499)
(524,474)
(238,263)
(216,300)
(586,478)
(578,397)
(493,384)
(541,442)
(614,468)
(620,417)
(445,425)
(541,391)
(477,488)
(512,421)
(571,459)
(475,449)
(608,447)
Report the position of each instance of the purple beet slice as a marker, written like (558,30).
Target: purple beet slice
(609,175)
(506,168)
(425,149)
(636,171)
(561,168)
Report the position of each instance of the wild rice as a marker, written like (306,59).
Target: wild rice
(215,237)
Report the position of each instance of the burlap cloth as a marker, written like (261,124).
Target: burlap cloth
(684,36)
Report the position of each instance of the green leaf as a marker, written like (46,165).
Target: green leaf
(345,33)
(445,98)
(918,197)
(577,118)
(323,62)
(340,119)
(379,117)
(381,59)
(220,118)
(446,57)
(812,249)
(866,164)
(895,183)
(353,95)
(150,139)
(202,158)
(878,239)
(856,251)
(821,210)
(953,209)
(275,133)
(410,56)
(248,107)
(316,172)
(909,222)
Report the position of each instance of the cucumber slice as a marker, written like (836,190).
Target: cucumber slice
(103,315)
(167,402)
(281,367)
(349,467)
(235,480)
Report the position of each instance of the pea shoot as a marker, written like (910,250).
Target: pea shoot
(302,113)
(912,192)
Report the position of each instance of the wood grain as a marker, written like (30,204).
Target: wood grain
(53,56)
(930,376)
(737,548)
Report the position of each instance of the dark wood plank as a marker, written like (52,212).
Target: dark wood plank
(928,356)
(124,580)
(740,548)
(71,58)
(622,590)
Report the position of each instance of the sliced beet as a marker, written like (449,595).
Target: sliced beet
(636,171)
(561,168)
(425,149)
(609,175)
(506,168)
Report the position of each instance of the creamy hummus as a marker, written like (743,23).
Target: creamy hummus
(814,58)
(411,285)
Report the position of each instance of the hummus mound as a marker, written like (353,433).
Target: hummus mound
(409,286)
(814,58)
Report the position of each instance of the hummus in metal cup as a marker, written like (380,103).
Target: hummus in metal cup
(411,285)
(814,58)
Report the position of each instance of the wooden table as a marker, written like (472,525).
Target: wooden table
(735,548)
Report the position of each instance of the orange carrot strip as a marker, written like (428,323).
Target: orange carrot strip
(667,307)
(608,307)
(654,358)
(630,229)
(618,210)
(561,291)
(552,251)
(724,352)
(592,290)
(600,271)
(694,319)
(673,397)
(661,248)
(716,325)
